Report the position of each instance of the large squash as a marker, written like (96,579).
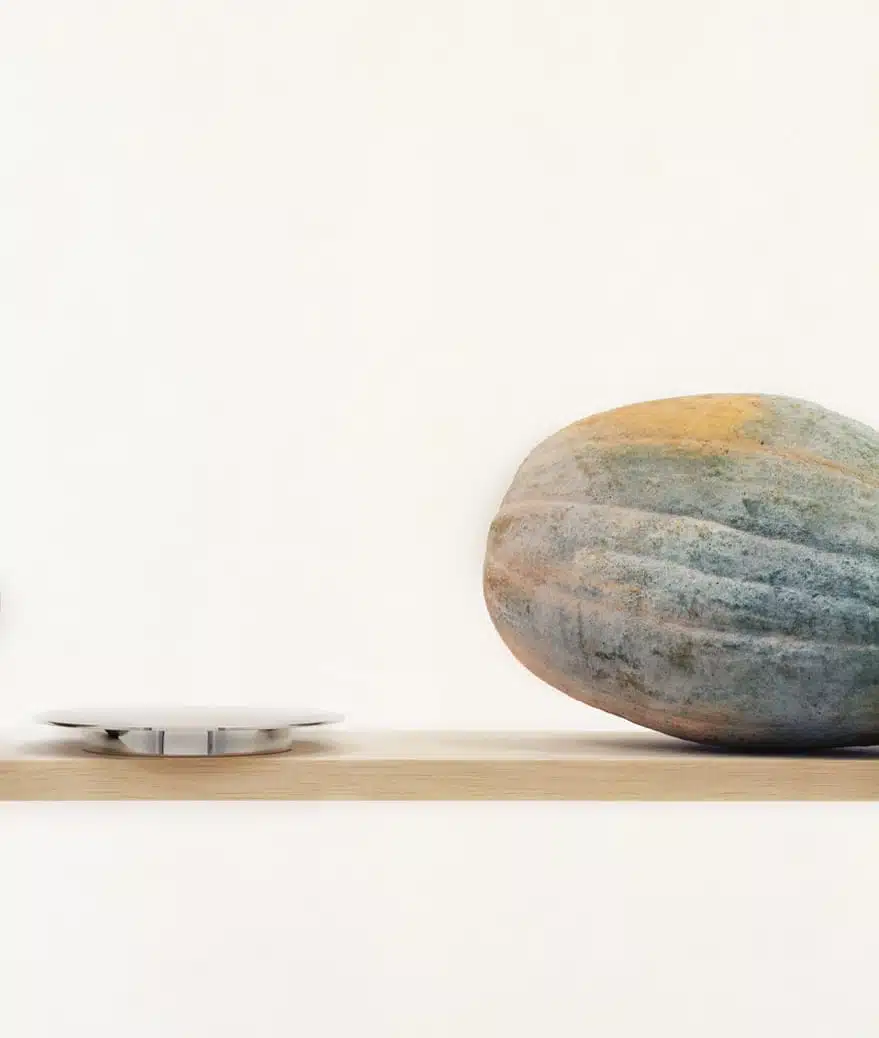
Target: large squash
(706,566)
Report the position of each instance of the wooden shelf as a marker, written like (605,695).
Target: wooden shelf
(445,766)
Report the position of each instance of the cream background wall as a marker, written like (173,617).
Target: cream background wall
(286,292)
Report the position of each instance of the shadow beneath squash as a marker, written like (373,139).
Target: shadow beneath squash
(661,745)
(656,744)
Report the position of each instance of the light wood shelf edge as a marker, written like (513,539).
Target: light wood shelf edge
(445,766)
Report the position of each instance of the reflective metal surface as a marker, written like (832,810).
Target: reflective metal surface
(188,731)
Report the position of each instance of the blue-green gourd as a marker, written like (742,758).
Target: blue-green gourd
(705,566)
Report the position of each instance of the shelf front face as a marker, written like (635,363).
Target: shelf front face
(445,766)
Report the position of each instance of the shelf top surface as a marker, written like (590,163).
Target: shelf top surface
(338,764)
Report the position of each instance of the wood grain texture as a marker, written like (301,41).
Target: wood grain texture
(446,766)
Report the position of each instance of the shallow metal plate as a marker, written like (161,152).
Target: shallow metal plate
(188,731)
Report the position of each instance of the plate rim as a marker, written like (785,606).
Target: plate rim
(307,718)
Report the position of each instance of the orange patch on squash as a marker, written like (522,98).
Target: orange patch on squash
(714,418)
(709,424)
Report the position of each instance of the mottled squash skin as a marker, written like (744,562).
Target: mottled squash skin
(705,566)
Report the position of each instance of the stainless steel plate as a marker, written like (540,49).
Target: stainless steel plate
(188,731)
